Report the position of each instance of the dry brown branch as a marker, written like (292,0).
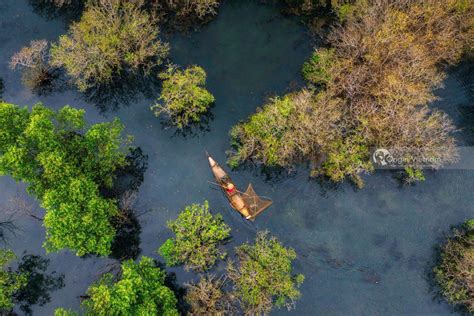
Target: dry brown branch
(207,297)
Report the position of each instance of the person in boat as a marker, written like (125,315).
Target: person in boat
(229,187)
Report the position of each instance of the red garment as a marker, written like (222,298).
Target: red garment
(230,191)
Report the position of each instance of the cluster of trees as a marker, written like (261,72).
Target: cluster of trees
(112,37)
(198,236)
(370,89)
(139,290)
(184,98)
(182,12)
(262,277)
(65,166)
(115,40)
(455,271)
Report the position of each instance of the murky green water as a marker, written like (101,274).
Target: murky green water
(363,251)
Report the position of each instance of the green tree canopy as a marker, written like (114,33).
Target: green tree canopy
(455,271)
(10,282)
(198,235)
(113,37)
(140,290)
(184,100)
(65,164)
(264,276)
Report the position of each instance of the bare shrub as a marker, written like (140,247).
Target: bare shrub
(371,89)
(33,61)
(207,297)
(455,271)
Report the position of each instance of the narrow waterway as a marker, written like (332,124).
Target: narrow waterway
(365,251)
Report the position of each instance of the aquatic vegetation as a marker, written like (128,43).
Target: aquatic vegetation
(317,69)
(198,236)
(455,271)
(264,276)
(184,99)
(369,90)
(37,74)
(187,11)
(65,165)
(10,281)
(113,37)
(208,297)
(140,290)
(310,7)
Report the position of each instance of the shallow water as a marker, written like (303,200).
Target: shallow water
(363,251)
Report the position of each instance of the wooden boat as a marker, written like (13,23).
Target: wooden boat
(247,203)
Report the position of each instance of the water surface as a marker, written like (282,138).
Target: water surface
(363,251)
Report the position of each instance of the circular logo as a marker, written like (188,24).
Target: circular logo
(381,157)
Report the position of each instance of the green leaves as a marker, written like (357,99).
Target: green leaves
(112,37)
(65,166)
(317,69)
(10,282)
(183,97)
(264,276)
(140,290)
(78,218)
(198,236)
(262,136)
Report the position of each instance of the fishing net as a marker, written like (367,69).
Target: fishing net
(255,203)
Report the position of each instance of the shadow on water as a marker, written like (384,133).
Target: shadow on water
(193,130)
(179,291)
(467,123)
(66,12)
(39,283)
(7,229)
(123,91)
(129,177)
(2,88)
(126,244)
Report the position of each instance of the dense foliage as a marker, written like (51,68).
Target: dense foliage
(264,276)
(455,272)
(198,235)
(184,99)
(369,90)
(10,282)
(140,290)
(65,165)
(113,37)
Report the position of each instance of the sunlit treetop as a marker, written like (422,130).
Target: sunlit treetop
(139,290)
(65,164)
